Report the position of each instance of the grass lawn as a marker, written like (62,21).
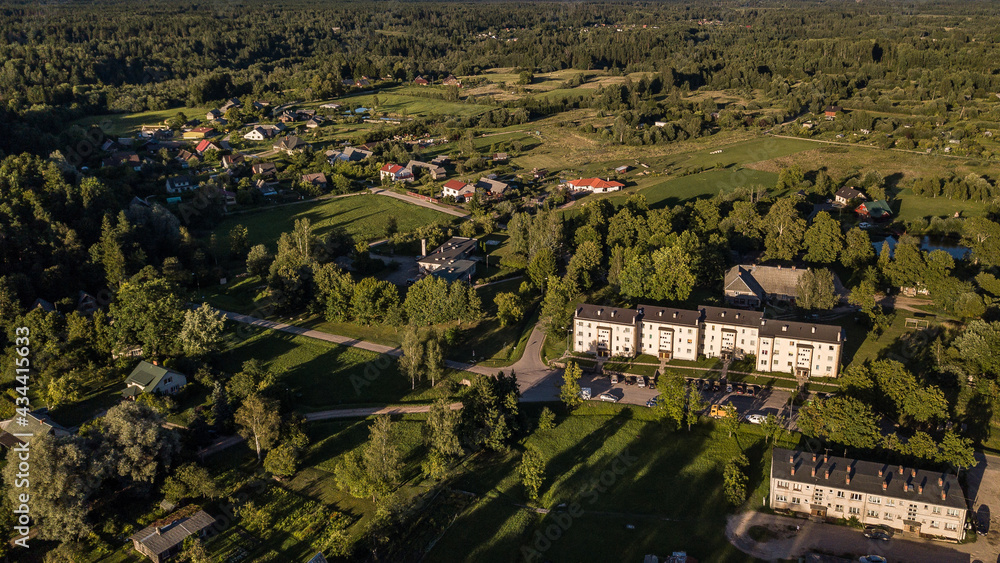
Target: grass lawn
(912,207)
(321,375)
(120,124)
(677,190)
(362,216)
(398,104)
(622,469)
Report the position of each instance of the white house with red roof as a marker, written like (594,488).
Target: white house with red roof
(395,173)
(595,185)
(205,145)
(458,190)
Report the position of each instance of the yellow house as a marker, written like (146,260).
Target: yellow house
(199,133)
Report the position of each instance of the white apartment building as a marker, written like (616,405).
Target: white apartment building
(801,349)
(909,500)
(606,331)
(670,333)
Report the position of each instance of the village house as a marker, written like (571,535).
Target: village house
(436,171)
(129,159)
(267,188)
(493,187)
(348,154)
(266,169)
(212,115)
(152,378)
(317,179)
(421,81)
(450,80)
(314,123)
(802,349)
(395,173)
(290,144)
(232,160)
(256,134)
(914,502)
(179,184)
(594,185)
(846,195)
(458,190)
(500,158)
(750,285)
(198,133)
(230,104)
(164,538)
(37,423)
(205,145)
(831,112)
(877,210)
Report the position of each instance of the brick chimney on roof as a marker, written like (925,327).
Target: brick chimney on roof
(885,485)
(944,494)
(913,472)
(793,470)
(847,477)
(940,481)
(880,471)
(814,457)
(920,489)
(827,475)
(825,457)
(900,469)
(791,458)
(813,471)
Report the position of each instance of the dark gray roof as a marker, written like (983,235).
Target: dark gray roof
(774,280)
(805,331)
(670,315)
(607,314)
(456,248)
(848,192)
(865,477)
(172,530)
(318,558)
(723,315)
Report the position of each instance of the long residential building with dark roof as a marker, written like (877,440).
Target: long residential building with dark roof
(909,500)
(801,349)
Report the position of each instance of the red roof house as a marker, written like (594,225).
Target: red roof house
(595,185)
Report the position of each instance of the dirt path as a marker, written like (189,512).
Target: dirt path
(420,202)
(361,412)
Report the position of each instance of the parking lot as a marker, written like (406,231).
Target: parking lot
(764,401)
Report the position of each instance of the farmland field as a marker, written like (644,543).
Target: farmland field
(398,104)
(120,124)
(363,216)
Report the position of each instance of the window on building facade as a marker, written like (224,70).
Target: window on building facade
(855,510)
(874,499)
(936,510)
(797,486)
(839,508)
(795,500)
(934,524)
(952,512)
(950,526)
(840,494)
(888,516)
(781,484)
(855,496)
(873,513)
(780,498)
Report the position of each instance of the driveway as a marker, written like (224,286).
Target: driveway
(420,202)
(370,411)
(795,537)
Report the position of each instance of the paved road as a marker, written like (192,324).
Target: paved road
(792,543)
(220,445)
(370,411)
(984,493)
(420,202)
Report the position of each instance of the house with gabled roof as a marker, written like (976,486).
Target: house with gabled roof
(267,169)
(256,134)
(179,184)
(164,538)
(395,173)
(212,115)
(750,285)
(199,133)
(846,195)
(317,179)
(20,430)
(495,188)
(452,81)
(290,144)
(152,378)
(594,185)
(231,160)
(877,210)
(231,103)
(458,190)
(205,145)
(421,81)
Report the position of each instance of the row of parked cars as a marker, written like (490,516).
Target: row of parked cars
(720,385)
(640,381)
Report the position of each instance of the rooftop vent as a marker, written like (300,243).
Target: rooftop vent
(784,328)
(675,314)
(814,330)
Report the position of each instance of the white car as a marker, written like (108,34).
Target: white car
(864,225)
(608,397)
(585,393)
(756,418)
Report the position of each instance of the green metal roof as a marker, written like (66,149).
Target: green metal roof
(146,375)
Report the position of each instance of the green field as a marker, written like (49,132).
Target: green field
(401,104)
(912,207)
(321,375)
(362,216)
(677,190)
(667,484)
(126,123)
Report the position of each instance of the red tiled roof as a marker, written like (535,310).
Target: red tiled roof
(391,168)
(596,183)
(455,184)
(203,145)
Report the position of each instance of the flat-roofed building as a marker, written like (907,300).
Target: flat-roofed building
(606,331)
(669,333)
(912,501)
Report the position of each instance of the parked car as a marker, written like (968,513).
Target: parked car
(873,559)
(614,378)
(729,388)
(652,402)
(641,381)
(752,390)
(717,411)
(756,418)
(585,393)
(716,386)
(864,225)
(878,533)
(608,397)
